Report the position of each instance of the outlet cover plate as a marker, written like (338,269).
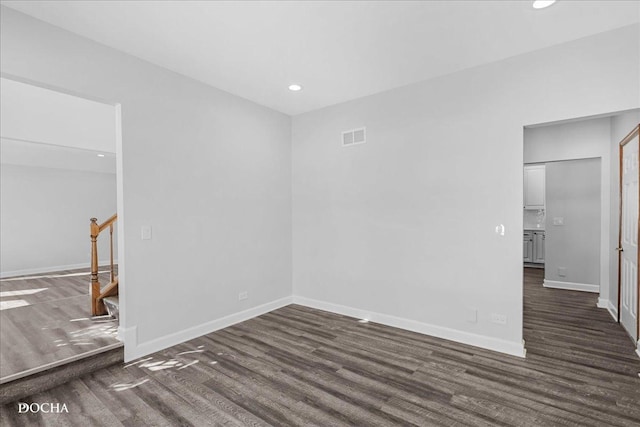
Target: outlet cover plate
(500,319)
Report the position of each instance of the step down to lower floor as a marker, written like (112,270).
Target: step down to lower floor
(42,381)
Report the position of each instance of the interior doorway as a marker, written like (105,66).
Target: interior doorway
(596,137)
(59,155)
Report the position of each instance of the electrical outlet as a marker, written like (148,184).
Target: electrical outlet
(243,295)
(562,271)
(500,319)
(558,220)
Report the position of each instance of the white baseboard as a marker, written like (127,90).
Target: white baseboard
(53,268)
(120,333)
(571,286)
(483,341)
(638,351)
(134,350)
(605,303)
(613,310)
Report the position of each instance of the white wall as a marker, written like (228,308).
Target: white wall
(402,229)
(572,140)
(210,172)
(26,153)
(579,139)
(44,218)
(383,227)
(573,194)
(621,125)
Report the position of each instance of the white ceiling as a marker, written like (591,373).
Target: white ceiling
(46,116)
(26,153)
(336,50)
(44,128)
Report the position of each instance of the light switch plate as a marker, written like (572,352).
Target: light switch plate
(558,220)
(146,232)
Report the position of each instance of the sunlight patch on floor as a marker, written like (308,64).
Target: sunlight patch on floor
(128,386)
(6,305)
(6,294)
(178,362)
(190,352)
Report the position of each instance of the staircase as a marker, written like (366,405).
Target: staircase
(104,300)
(112,304)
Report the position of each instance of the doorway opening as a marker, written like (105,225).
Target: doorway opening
(573,201)
(60,157)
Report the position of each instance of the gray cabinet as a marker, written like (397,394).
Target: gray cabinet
(533,247)
(538,247)
(534,177)
(527,248)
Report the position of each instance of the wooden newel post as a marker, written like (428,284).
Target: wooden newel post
(96,308)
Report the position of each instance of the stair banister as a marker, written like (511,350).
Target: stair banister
(98,294)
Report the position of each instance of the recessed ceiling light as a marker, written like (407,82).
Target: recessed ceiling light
(295,88)
(541,4)
(100,155)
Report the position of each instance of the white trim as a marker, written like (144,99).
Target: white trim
(134,350)
(120,333)
(613,310)
(605,303)
(122,280)
(52,269)
(483,341)
(571,286)
(638,351)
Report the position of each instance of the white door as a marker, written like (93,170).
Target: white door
(629,238)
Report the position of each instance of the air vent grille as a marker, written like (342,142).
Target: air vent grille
(354,137)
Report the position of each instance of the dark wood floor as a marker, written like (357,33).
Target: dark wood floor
(45,319)
(300,366)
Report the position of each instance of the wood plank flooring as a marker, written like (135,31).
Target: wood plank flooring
(301,366)
(45,319)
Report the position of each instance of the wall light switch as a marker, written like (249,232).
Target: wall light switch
(558,220)
(146,232)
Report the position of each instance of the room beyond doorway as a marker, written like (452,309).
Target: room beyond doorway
(58,171)
(48,324)
(594,139)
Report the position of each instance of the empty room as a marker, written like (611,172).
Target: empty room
(309,213)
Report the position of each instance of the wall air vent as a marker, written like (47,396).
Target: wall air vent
(354,137)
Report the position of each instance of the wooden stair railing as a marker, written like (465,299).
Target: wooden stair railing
(97,294)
